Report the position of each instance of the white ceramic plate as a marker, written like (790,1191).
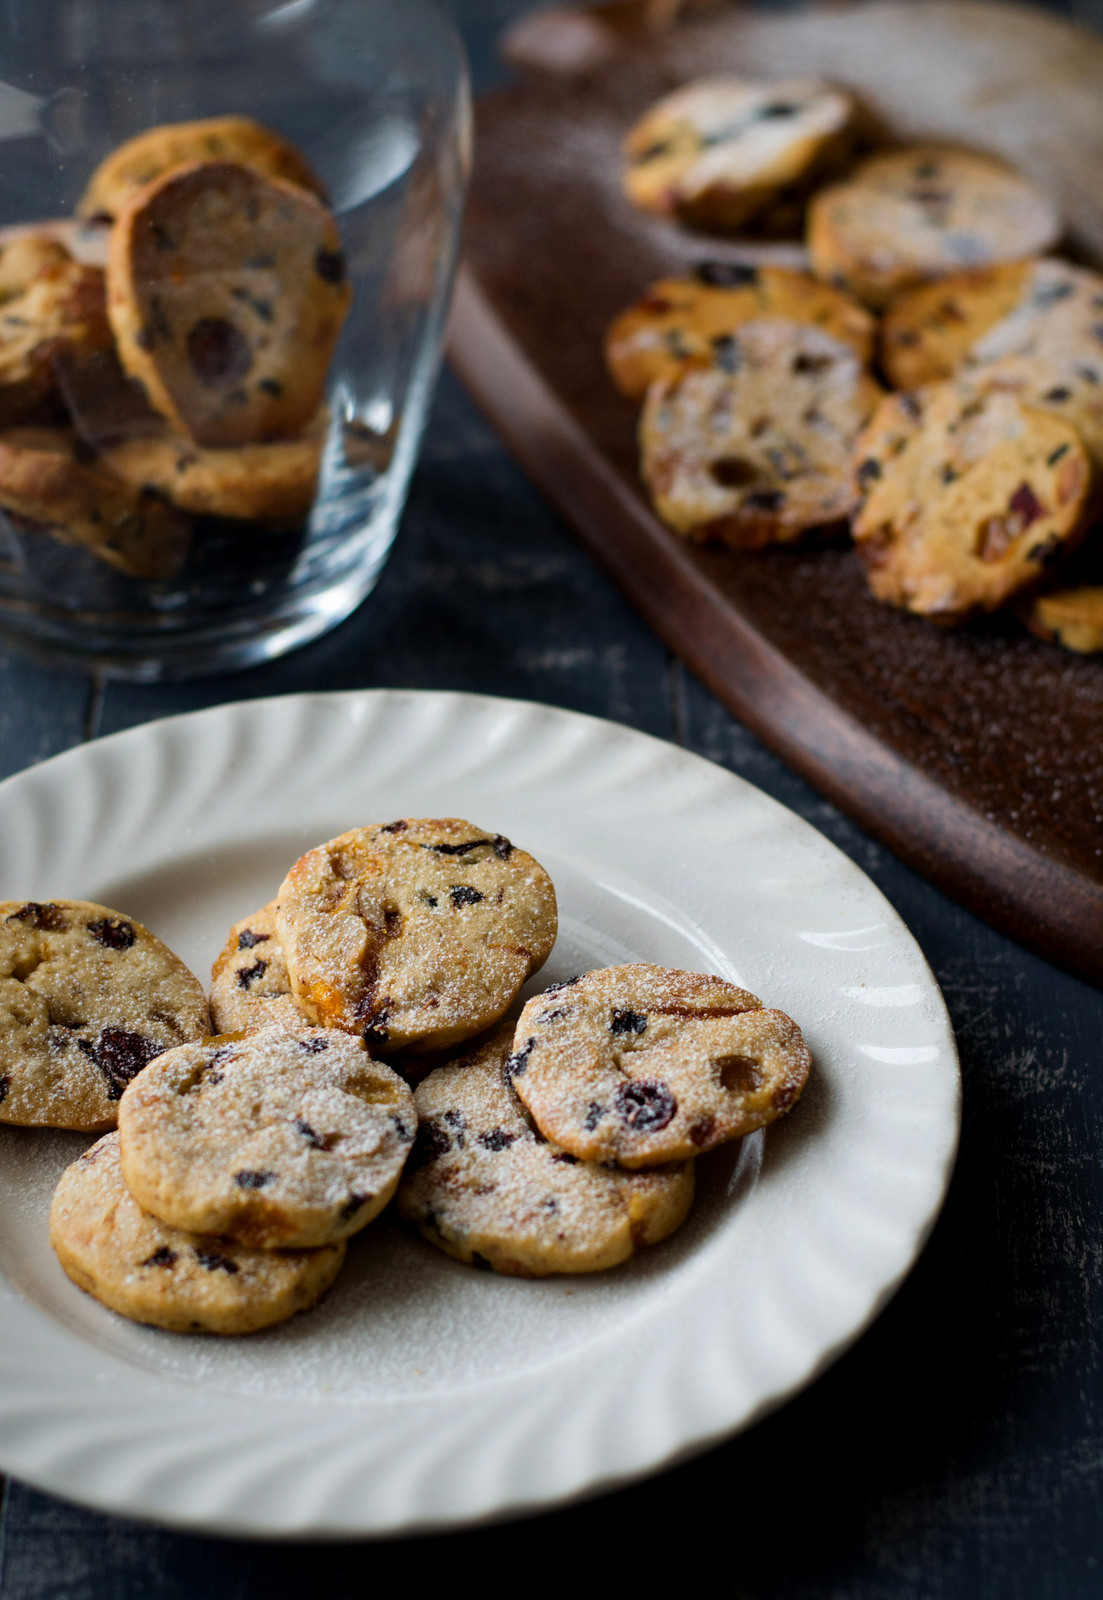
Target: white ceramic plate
(423,1394)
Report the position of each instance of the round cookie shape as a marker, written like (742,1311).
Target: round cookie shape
(279,1140)
(908,216)
(969,498)
(250,984)
(417,933)
(87,997)
(226,292)
(167,1277)
(685,322)
(642,1064)
(1072,618)
(485,1186)
(928,332)
(757,452)
(44,482)
(149,155)
(719,151)
(62,305)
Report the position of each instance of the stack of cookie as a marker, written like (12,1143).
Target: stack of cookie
(557,1137)
(764,412)
(187,380)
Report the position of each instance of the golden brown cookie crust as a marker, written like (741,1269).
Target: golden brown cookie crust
(61,305)
(928,332)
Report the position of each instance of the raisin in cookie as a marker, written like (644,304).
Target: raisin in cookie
(968,498)
(417,934)
(62,306)
(250,985)
(151,154)
(278,1140)
(719,151)
(258,482)
(686,322)
(46,487)
(757,452)
(909,216)
(1069,617)
(87,997)
(226,292)
(641,1065)
(169,1278)
(485,1186)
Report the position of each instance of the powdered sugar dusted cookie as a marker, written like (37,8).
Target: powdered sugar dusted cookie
(485,1186)
(643,1064)
(685,322)
(719,151)
(87,997)
(756,451)
(250,985)
(417,933)
(1069,617)
(968,498)
(186,1282)
(151,154)
(226,293)
(908,216)
(280,1140)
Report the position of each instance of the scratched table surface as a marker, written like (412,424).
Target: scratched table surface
(956,1451)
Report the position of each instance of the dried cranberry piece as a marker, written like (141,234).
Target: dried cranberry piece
(627,1021)
(464,895)
(1026,505)
(395,827)
(313,1047)
(431,1143)
(248,1179)
(594,1113)
(497,1139)
(646,1104)
(164,1257)
(218,352)
(247,976)
(121,1055)
(5,1085)
(248,940)
(47,917)
(567,1159)
(518,1061)
(214,1262)
(113,933)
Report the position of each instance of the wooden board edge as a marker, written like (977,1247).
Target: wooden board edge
(1042,903)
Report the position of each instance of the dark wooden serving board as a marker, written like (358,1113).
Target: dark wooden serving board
(976,754)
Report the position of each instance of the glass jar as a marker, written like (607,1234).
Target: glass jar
(374,94)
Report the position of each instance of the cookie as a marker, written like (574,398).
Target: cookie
(417,933)
(687,322)
(186,1282)
(87,998)
(63,305)
(259,482)
(928,332)
(1069,617)
(968,499)
(642,1064)
(720,151)
(23,257)
(280,1140)
(485,1186)
(151,154)
(908,216)
(226,292)
(45,487)
(756,451)
(250,985)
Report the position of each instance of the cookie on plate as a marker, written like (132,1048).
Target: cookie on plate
(258,482)
(908,216)
(63,305)
(151,154)
(416,934)
(250,985)
(226,292)
(169,1278)
(279,1140)
(485,1186)
(1069,617)
(968,498)
(642,1064)
(686,322)
(719,151)
(87,998)
(756,450)
(46,487)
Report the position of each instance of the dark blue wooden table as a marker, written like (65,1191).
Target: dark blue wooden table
(956,1452)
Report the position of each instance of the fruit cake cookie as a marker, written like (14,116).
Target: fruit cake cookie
(250,983)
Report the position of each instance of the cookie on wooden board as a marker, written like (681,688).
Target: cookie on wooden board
(756,450)
(684,322)
(151,154)
(969,499)
(905,217)
(928,332)
(1069,617)
(168,1277)
(719,151)
(87,997)
(226,292)
(485,1186)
